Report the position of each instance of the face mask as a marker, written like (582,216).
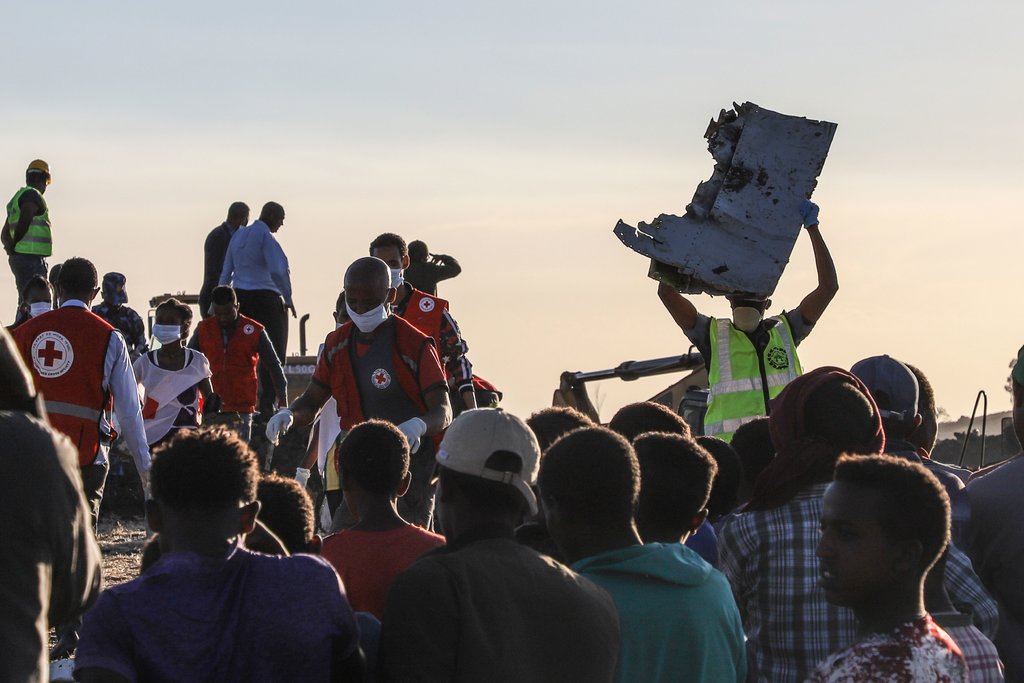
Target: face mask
(368,322)
(397,277)
(39,308)
(167,334)
(746,318)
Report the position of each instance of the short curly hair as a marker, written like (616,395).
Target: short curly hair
(182,309)
(550,424)
(375,455)
(646,416)
(204,468)
(390,239)
(913,505)
(676,475)
(593,472)
(287,510)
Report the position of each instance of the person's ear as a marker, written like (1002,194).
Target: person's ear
(316,545)
(697,520)
(94,294)
(908,561)
(247,517)
(405,262)
(154,518)
(403,486)
(917,422)
(767,305)
(392,295)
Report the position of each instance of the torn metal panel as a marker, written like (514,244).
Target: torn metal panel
(739,231)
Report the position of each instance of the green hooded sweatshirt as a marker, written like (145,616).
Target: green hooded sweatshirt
(677,616)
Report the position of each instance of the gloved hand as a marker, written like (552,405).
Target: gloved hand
(413,429)
(301,476)
(279,424)
(809,213)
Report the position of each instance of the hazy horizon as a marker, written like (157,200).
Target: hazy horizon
(513,137)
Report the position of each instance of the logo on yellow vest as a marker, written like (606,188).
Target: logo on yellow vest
(778,359)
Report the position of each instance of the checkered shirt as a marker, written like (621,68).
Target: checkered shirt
(769,558)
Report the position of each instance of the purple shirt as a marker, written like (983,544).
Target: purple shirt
(246,617)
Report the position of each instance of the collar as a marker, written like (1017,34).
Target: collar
(74,303)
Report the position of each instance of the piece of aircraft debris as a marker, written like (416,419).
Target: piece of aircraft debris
(737,234)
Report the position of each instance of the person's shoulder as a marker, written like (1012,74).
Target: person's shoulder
(427,302)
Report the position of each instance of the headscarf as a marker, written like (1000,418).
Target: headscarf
(802,458)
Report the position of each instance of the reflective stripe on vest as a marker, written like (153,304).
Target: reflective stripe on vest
(737,395)
(72,410)
(37,241)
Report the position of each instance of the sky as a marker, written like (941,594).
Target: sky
(513,136)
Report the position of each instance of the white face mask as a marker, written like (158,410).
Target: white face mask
(167,334)
(368,322)
(397,278)
(39,308)
(746,318)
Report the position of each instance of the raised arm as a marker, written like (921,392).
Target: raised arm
(678,306)
(815,303)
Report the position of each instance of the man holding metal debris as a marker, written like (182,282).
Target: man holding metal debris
(750,358)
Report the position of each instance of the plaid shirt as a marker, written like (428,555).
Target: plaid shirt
(769,558)
(983,663)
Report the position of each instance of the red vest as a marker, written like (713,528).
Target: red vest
(426,313)
(233,367)
(408,350)
(66,350)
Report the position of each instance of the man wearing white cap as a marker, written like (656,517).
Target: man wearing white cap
(484,608)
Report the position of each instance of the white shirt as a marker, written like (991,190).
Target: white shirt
(119,380)
(255,261)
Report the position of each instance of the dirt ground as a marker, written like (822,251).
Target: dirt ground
(121,540)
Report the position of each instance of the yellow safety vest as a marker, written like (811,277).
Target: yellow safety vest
(736,370)
(37,240)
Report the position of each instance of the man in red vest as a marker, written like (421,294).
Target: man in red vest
(379,366)
(429,314)
(81,367)
(235,344)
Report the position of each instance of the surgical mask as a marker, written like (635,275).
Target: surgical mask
(39,308)
(746,318)
(167,334)
(397,277)
(368,322)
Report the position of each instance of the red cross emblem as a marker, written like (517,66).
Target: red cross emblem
(381,378)
(49,353)
(52,354)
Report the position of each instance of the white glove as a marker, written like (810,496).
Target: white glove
(413,429)
(279,424)
(301,476)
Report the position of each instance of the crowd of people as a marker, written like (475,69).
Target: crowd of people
(802,532)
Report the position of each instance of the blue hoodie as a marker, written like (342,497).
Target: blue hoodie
(678,619)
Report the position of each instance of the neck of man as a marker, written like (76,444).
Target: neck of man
(404,292)
(887,611)
(378,512)
(588,540)
(38,186)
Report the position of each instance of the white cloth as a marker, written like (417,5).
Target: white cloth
(161,392)
(119,380)
(330,428)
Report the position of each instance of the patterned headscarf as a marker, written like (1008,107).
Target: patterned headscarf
(803,458)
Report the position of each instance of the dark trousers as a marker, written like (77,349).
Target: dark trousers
(94,479)
(267,308)
(25,267)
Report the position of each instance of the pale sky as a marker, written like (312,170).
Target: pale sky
(514,136)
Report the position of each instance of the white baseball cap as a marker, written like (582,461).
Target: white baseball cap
(476,435)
